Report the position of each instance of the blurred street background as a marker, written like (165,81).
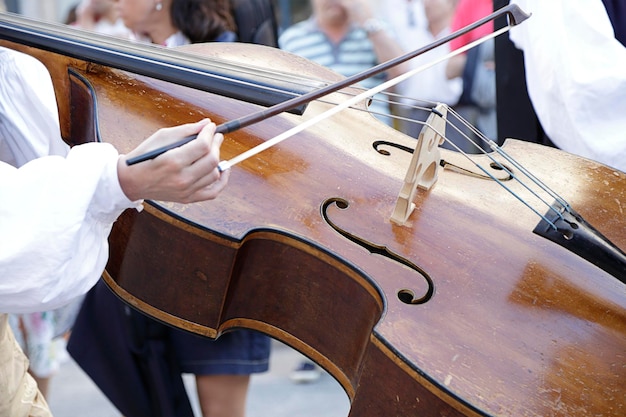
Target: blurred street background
(272,394)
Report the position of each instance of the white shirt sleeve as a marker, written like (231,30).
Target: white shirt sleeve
(56,211)
(29,120)
(576,76)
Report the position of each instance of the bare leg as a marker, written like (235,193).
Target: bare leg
(43,384)
(222,395)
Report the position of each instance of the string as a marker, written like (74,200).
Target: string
(497,149)
(428,105)
(512,175)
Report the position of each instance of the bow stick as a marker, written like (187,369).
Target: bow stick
(513,12)
(224,165)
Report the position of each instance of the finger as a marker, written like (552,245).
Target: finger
(168,136)
(218,140)
(213,140)
(195,149)
(211,191)
(205,169)
(205,180)
(176,133)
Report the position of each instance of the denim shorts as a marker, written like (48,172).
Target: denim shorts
(237,352)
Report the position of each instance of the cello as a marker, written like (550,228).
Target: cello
(457,309)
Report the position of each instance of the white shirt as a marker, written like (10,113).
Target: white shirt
(56,211)
(174,40)
(410,26)
(29,123)
(116,28)
(576,76)
(432,84)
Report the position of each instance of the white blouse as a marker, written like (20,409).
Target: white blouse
(57,206)
(576,76)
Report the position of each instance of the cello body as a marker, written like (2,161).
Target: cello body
(300,246)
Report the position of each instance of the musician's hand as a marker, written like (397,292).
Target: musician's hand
(185,174)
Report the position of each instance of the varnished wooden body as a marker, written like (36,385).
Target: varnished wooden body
(517,325)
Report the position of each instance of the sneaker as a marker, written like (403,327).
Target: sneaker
(305,372)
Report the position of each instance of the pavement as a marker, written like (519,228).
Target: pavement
(271,394)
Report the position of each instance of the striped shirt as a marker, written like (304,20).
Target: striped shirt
(354,54)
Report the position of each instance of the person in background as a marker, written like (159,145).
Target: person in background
(466,13)
(406,18)
(100,16)
(222,367)
(419,23)
(42,338)
(477,103)
(57,207)
(574,60)
(345,36)
(173,23)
